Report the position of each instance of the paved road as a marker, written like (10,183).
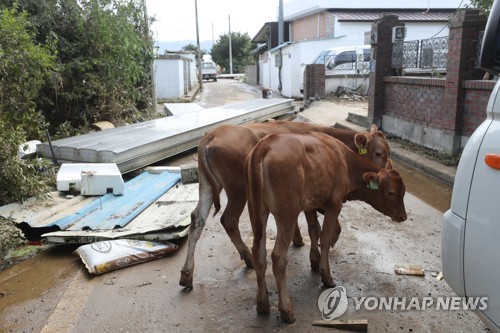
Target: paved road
(53,293)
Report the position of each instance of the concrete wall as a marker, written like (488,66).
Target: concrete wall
(169,78)
(193,74)
(251,74)
(360,83)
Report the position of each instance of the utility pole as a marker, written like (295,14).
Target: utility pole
(198,49)
(230,48)
(147,36)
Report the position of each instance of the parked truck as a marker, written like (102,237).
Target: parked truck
(209,70)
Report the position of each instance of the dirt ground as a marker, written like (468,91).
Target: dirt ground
(52,292)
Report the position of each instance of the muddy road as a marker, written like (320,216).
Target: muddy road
(52,292)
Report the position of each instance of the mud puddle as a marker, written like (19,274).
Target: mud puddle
(38,276)
(433,192)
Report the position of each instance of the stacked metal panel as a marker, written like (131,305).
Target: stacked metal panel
(135,146)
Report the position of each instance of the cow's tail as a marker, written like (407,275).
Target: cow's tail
(206,172)
(254,178)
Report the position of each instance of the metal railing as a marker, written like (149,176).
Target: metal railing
(358,64)
(425,54)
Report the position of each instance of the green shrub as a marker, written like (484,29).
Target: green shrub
(21,179)
(24,68)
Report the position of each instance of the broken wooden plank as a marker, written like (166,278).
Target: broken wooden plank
(354,325)
(404,269)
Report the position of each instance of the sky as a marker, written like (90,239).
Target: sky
(176,19)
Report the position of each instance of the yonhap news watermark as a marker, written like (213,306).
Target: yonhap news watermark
(333,303)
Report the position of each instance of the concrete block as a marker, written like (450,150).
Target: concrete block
(90,178)
(189,173)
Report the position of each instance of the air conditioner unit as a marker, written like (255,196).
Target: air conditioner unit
(398,34)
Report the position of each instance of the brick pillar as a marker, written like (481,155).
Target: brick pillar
(380,66)
(462,48)
(314,81)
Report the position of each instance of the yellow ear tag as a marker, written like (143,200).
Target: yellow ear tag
(362,150)
(373,185)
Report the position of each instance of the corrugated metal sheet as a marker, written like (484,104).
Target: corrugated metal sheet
(151,217)
(404,15)
(111,211)
(135,146)
(167,218)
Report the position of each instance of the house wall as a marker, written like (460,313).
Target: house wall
(305,47)
(193,74)
(295,56)
(320,25)
(169,78)
(294,9)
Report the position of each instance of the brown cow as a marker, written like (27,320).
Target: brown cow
(290,173)
(221,157)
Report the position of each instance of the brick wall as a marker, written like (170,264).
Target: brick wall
(417,100)
(437,113)
(315,26)
(477,95)
(314,81)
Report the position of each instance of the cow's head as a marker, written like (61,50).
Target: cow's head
(373,146)
(385,192)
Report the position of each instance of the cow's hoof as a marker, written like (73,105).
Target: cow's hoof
(248,262)
(298,242)
(263,307)
(315,266)
(287,316)
(186,280)
(328,281)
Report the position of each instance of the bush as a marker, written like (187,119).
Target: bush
(24,68)
(21,179)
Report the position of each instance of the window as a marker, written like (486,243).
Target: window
(366,54)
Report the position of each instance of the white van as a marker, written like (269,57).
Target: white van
(470,244)
(345,59)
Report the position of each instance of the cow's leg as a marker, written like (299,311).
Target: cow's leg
(297,237)
(280,262)
(259,261)
(314,231)
(329,235)
(236,201)
(198,220)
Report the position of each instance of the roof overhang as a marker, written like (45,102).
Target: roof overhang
(263,35)
(404,15)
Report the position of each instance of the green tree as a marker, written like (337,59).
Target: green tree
(193,48)
(105,55)
(24,69)
(483,5)
(241,46)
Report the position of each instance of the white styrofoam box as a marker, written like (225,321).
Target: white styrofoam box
(90,178)
(27,149)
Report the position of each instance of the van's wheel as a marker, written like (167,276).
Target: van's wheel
(215,80)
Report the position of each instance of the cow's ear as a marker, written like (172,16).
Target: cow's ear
(372,180)
(388,165)
(379,133)
(360,140)
(373,128)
